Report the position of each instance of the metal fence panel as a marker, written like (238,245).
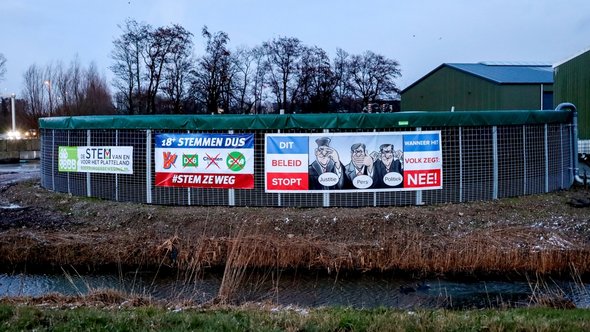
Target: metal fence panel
(512,158)
(479,163)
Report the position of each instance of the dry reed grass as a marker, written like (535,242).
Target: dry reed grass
(514,248)
(543,295)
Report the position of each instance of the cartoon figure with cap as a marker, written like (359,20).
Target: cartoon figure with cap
(326,172)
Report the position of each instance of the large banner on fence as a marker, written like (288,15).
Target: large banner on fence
(352,162)
(205,160)
(96,159)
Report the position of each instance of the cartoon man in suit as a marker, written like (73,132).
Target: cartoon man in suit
(360,163)
(389,162)
(327,161)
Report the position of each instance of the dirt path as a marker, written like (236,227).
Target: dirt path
(541,233)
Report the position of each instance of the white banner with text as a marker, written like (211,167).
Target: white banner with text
(351,162)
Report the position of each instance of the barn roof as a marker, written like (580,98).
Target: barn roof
(502,72)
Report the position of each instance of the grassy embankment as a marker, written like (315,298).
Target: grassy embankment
(47,318)
(538,234)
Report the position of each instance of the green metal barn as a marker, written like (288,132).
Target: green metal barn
(572,84)
(481,86)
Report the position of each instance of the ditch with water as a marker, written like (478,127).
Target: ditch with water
(308,289)
(300,289)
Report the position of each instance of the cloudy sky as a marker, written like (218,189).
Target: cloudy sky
(420,34)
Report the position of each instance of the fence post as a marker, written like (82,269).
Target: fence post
(53,147)
(116,174)
(524,159)
(231,192)
(326,196)
(495,161)
(88,184)
(374,193)
(189,195)
(148,166)
(461,164)
(546,148)
(561,168)
(279,197)
(68,173)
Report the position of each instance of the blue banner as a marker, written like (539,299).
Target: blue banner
(421,142)
(229,141)
(287,144)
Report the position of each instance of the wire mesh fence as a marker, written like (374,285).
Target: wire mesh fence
(479,163)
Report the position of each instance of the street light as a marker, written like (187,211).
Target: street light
(13,110)
(48,83)
(13,134)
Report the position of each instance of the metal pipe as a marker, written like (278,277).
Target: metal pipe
(495,162)
(572,107)
(13,108)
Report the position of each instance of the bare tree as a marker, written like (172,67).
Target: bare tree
(33,91)
(211,74)
(55,90)
(97,98)
(342,95)
(248,79)
(247,73)
(148,61)
(128,52)
(62,84)
(317,81)
(49,79)
(177,69)
(69,88)
(283,56)
(372,76)
(163,45)
(75,73)
(2,66)
(257,89)
(151,66)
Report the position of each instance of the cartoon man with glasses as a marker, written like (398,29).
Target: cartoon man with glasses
(389,168)
(326,172)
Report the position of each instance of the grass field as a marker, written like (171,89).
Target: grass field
(71,318)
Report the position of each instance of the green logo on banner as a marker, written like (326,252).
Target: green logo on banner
(190,160)
(235,161)
(68,159)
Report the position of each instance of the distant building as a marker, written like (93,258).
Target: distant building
(481,86)
(572,84)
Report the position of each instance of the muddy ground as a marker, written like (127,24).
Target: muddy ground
(547,233)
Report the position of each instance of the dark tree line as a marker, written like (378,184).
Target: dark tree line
(156,71)
(57,90)
(151,67)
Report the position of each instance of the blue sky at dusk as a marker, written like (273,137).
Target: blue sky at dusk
(420,34)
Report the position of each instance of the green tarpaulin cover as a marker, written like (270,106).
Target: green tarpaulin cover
(308,121)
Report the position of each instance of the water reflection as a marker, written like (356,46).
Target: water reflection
(304,290)
(10,173)
(23,167)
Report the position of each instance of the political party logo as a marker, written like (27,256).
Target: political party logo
(235,161)
(107,153)
(67,159)
(212,160)
(169,159)
(190,160)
